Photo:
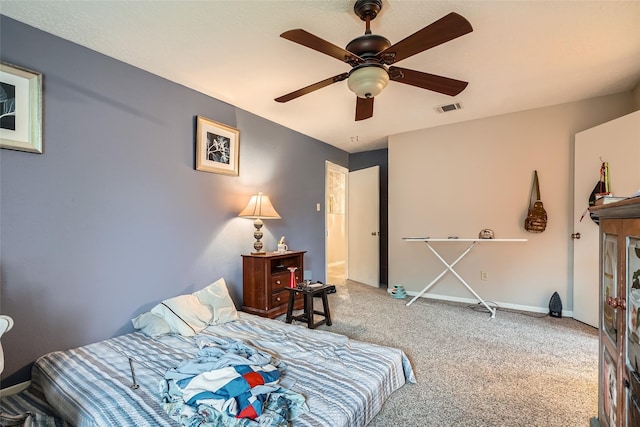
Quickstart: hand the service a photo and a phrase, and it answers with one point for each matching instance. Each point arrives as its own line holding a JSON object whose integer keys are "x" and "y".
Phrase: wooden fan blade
{"x": 364, "y": 108}
{"x": 313, "y": 87}
{"x": 443, "y": 30}
{"x": 316, "y": 43}
{"x": 428, "y": 81}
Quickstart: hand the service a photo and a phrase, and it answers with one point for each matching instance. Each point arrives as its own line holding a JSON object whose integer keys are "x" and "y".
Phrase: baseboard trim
{"x": 510, "y": 306}
{"x": 17, "y": 388}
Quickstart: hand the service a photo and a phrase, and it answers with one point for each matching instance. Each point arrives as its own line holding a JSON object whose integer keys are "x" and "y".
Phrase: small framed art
{"x": 20, "y": 109}
{"x": 217, "y": 147}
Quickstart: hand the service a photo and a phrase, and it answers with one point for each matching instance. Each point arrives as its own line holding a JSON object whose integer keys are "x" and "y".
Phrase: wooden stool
{"x": 307, "y": 315}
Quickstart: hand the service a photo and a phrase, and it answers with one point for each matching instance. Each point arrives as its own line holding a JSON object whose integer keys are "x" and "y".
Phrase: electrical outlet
{"x": 484, "y": 275}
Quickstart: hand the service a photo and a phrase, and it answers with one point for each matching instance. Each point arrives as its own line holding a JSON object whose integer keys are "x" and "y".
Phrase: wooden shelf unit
{"x": 619, "y": 335}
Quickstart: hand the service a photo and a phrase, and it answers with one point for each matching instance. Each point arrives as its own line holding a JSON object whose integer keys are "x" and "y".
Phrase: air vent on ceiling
{"x": 449, "y": 107}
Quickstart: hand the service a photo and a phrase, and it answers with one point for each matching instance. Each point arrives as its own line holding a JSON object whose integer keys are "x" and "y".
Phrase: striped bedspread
{"x": 345, "y": 382}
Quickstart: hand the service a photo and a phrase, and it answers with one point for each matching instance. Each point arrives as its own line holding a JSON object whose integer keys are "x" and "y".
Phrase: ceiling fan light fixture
{"x": 368, "y": 81}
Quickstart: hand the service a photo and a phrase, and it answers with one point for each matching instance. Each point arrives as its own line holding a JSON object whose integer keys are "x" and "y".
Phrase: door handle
{"x": 617, "y": 303}
{"x": 575, "y": 236}
{"x": 375, "y": 233}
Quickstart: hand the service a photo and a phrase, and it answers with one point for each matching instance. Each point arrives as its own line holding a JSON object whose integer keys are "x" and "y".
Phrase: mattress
{"x": 344, "y": 382}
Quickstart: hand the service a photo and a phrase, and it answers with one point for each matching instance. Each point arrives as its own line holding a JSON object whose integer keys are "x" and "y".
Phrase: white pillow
{"x": 151, "y": 324}
{"x": 217, "y": 297}
{"x": 184, "y": 314}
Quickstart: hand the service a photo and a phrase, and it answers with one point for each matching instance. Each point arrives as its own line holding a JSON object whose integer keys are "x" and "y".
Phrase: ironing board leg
{"x": 450, "y": 268}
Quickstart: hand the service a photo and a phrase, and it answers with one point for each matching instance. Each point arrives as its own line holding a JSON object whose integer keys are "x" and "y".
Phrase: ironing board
{"x": 472, "y": 243}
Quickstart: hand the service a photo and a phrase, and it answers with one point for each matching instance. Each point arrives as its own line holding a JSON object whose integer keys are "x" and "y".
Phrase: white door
{"x": 615, "y": 142}
{"x": 363, "y": 213}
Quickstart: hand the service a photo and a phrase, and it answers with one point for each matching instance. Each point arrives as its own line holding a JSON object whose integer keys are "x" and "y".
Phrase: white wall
{"x": 457, "y": 179}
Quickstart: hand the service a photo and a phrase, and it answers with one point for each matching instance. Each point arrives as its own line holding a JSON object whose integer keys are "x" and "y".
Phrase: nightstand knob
{"x": 278, "y": 299}
{"x": 277, "y": 282}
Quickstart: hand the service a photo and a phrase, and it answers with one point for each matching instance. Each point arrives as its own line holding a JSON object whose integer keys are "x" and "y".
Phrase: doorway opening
{"x": 336, "y": 184}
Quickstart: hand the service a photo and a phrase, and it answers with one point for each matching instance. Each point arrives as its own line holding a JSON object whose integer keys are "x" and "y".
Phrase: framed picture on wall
{"x": 217, "y": 147}
{"x": 20, "y": 108}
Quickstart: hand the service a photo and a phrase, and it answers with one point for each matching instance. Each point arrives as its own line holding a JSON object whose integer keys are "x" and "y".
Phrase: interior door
{"x": 363, "y": 213}
{"x": 615, "y": 142}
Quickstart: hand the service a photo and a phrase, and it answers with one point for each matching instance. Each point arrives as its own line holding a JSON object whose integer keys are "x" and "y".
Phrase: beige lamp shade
{"x": 259, "y": 207}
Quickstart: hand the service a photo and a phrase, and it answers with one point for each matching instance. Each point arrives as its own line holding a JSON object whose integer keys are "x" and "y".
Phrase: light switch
{"x": 318, "y": 207}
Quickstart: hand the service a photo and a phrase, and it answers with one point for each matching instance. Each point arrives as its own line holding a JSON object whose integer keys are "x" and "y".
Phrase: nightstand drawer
{"x": 279, "y": 298}
{"x": 279, "y": 281}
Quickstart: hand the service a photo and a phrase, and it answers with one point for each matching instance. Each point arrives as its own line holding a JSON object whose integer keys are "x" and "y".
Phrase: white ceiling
{"x": 521, "y": 55}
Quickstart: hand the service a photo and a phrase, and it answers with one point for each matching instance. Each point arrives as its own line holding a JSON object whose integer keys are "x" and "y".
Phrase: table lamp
{"x": 259, "y": 208}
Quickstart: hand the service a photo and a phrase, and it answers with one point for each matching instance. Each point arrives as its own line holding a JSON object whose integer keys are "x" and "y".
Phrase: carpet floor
{"x": 517, "y": 369}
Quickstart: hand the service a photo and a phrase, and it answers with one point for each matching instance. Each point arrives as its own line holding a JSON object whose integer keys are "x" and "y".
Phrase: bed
{"x": 343, "y": 382}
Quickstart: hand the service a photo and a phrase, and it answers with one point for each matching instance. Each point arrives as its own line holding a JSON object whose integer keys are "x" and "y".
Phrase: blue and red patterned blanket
{"x": 229, "y": 379}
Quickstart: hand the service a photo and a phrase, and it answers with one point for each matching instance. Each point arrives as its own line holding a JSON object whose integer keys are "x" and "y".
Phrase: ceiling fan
{"x": 371, "y": 56}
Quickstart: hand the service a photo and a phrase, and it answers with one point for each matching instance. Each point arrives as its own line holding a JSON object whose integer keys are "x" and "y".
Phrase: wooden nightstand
{"x": 264, "y": 279}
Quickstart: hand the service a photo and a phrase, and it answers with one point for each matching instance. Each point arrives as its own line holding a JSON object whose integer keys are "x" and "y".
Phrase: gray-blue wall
{"x": 113, "y": 218}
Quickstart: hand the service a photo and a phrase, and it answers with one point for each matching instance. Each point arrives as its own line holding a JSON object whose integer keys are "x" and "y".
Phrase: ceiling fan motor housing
{"x": 368, "y": 46}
